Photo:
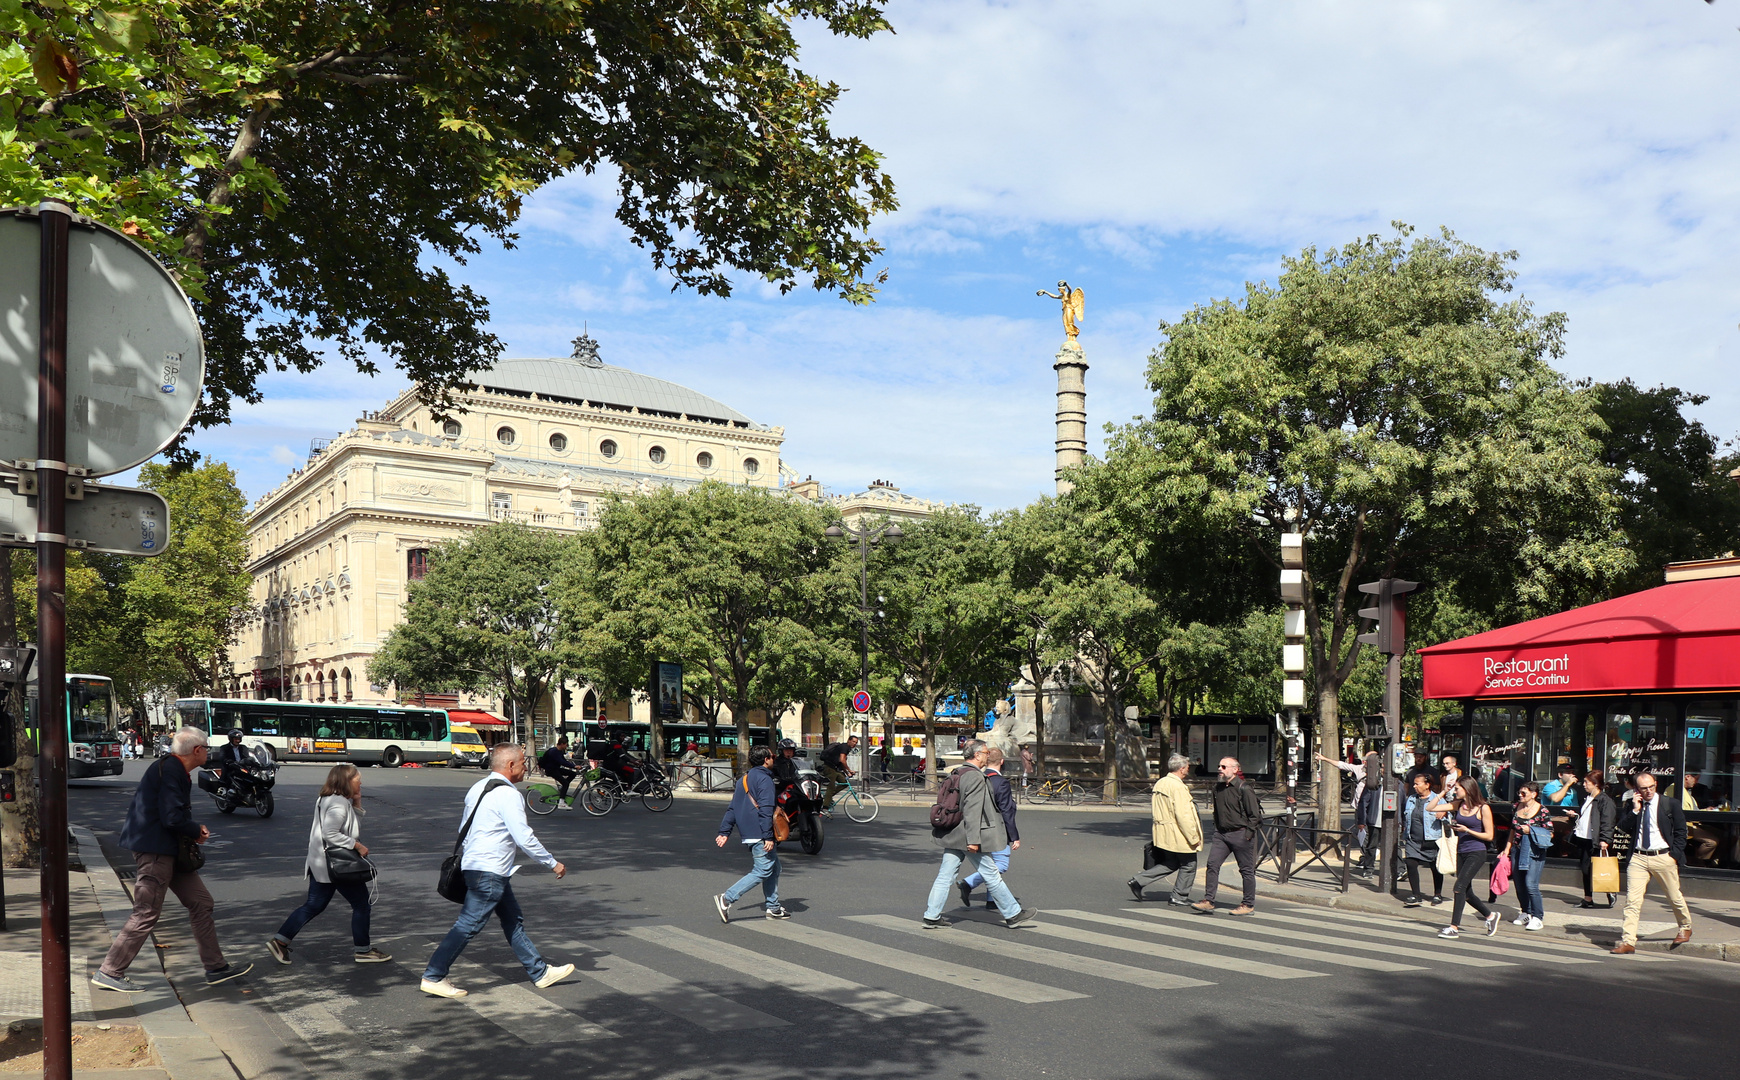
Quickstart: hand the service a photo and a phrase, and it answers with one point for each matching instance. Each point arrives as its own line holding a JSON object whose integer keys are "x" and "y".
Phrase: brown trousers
{"x": 155, "y": 879}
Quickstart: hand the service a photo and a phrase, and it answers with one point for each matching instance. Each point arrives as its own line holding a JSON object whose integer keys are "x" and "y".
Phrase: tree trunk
{"x": 1038, "y": 722}
{"x": 930, "y": 780}
{"x": 1114, "y": 719}
{"x": 1328, "y": 738}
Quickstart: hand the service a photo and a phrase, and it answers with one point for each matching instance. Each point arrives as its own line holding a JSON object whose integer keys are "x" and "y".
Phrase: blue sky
{"x": 1158, "y": 155}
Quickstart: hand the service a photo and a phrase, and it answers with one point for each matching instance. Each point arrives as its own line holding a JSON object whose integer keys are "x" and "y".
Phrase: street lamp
{"x": 866, "y": 536}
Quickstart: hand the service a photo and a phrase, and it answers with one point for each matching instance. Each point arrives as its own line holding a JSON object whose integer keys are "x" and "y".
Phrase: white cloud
{"x": 283, "y": 455}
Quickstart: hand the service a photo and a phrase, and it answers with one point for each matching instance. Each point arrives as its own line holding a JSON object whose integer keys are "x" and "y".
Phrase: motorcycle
{"x": 247, "y": 784}
{"x": 802, "y": 803}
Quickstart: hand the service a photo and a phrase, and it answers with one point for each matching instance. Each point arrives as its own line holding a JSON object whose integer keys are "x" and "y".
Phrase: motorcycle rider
{"x": 617, "y": 760}
{"x": 233, "y": 759}
{"x": 785, "y": 773}
{"x": 560, "y": 768}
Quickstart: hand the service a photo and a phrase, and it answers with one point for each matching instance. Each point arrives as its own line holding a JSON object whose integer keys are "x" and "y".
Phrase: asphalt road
{"x": 849, "y": 987}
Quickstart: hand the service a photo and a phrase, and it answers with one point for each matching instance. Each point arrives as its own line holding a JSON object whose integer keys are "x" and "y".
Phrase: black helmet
{"x": 235, "y": 733}
{"x": 788, "y": 744}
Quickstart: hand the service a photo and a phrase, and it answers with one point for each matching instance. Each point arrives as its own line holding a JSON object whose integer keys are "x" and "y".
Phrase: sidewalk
{"x": 1715, "y": 923}
{"x": 98, "y": 906}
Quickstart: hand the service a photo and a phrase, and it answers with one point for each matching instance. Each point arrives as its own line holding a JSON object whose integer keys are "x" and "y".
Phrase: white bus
{"x": 299, "y": 731}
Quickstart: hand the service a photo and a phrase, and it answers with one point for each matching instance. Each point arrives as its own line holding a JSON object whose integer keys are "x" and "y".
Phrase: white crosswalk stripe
{"x": 1267, "y": 928}
{"x": 1033, "y": 954}
{"x": 879, "y": 1004}
{"x": 516, "y": 1008}
{"x": 925, "y": 967}
{"x": 1218, "y": 961}
{"x": 1475, "y": 942}
{"x": 651, "y": 987}
{"x": 1341, "y": 959}
{"x": 1412, "y": 930}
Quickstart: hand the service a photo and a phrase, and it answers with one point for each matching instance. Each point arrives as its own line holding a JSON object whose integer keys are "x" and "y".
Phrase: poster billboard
{"x": 667, "y": 690}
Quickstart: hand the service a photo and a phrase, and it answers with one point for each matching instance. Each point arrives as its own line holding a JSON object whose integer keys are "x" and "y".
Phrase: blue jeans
{"x": 1527, "y": 876}
{"x": 765, "y": 870}
{"x": 320, "y": 895}
{"x": 1001, "y": 858}
{"x": 986, "y": 864}
{"x": 486, "y": 892}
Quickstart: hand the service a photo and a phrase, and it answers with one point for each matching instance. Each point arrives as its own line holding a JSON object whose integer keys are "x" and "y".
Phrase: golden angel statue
{"x": 1072, "y": 307}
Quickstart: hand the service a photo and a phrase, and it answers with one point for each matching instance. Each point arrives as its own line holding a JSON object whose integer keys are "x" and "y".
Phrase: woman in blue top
{"x": 1531, "y": 837}
{"x": 1421, "y": 828}
{"x": 1471, "y": 821}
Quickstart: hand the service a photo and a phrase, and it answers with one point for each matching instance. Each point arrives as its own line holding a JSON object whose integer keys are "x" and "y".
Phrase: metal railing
{"x": 1282, "y": 840}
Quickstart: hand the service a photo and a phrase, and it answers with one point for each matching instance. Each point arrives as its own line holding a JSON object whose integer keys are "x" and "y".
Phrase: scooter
{"x": 247, "y": 784}
{"x": 802, "y": 803}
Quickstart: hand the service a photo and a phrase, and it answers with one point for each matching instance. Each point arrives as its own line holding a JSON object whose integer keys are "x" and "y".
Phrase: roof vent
{"x": 586, "y": 351}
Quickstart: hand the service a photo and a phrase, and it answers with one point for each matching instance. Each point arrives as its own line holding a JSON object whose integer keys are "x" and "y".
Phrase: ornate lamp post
{"x": 866, "y": 536}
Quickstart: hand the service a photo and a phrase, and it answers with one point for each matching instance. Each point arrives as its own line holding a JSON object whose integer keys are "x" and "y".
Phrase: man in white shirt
{"x": 497, "y": 814}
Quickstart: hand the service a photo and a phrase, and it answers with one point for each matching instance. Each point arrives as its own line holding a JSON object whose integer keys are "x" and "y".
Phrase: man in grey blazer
{"x": 979, "y": 833}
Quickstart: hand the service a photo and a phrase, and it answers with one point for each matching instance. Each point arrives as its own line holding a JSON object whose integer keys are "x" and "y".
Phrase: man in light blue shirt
{"x": 496, "y": 812}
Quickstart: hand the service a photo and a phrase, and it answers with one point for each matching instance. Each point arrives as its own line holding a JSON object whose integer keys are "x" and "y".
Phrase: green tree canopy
{"x": 483, "y": 619}
{"x": 306, "y": 169}
{"x": 734, "y": 583}
{"x": 1412, "y": 420}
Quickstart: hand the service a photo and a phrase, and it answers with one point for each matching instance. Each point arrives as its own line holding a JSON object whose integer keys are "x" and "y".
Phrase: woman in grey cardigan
{"x": 337, "y": 823}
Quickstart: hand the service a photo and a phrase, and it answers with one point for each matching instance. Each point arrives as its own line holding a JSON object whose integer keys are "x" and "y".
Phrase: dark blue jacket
{"x": 753, "y": 819}
{"x": 1003, "y": 798}
{"x": 162, "y": 809}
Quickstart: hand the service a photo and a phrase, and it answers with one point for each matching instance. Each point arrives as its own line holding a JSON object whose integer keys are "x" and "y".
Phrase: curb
{"x": 1725, "y": 951}
{"x": 184, "y": 1048}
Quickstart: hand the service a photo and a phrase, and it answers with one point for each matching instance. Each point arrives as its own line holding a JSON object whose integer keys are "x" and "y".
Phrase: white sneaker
{"x": 1522, "y": 919}
{"x": 1534, "y": 924}
{"x": 554, "y": 975}
{"x": 565, "y": 805}
{"x": 444, "y": 988}
{"x": 1449, "y": 931}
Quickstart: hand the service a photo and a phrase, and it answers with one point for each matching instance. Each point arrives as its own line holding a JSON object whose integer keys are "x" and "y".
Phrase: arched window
{"x": 558, "y": 442}
{"x": 451, "y": 429}
{"x": 505, "y": 435}
{"x": 319, "y": 687}
{"x": 751, "y": 466}
{"x": 704, "y": 460}
{"x": 607, "y": 448}
{"x": 589, "y": 708}
{"x": 656, "y": 455}
{"x": 332, "y": 678}
{"x": 347, "y": 685}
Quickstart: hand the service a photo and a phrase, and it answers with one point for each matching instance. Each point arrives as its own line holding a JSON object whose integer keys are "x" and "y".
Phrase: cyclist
{"x": 835, "y": 768}
{"x": 560, "y": 768}
{"x": 618, "y": 761}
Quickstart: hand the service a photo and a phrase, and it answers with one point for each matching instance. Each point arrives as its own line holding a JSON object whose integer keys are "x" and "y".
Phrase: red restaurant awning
{"x": 1683, "y": 636}
{"x": 475, "y": 718}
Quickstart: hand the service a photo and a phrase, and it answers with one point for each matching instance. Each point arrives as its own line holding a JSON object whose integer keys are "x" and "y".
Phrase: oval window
{"x": 505, "y": 436}
{"x": 558, "y": 442}
{"x": 607, "y": 448}
{"x": 751, "y": 466}
{"x": 657, "y": 455}
{"x": 450, "y": 429}
{"x": 704, "y": 460}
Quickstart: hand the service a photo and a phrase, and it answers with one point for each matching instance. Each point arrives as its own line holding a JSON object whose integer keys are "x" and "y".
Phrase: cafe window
{"x": 1637, "y": 741}
{"x": 1555, "y": 742}
{"x": 1712, "y": 760}
{"x": 1499, "y": 736}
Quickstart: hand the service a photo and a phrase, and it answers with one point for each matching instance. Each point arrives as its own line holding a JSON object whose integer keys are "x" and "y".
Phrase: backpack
{"x": 946, "y": 814}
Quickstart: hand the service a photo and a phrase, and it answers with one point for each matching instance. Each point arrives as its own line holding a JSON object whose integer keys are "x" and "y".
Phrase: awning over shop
{"x": 475, "y": 718}
{"x": 1683, "y": 636}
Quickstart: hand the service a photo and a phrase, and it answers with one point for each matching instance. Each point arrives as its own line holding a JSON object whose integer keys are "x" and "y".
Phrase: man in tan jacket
{"x": 1177, "y": 835}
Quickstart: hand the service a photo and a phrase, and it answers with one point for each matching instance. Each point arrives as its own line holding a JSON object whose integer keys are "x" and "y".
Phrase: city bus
{"x": 299, "y": 731}
{"x": 93, "y": 738}
{"x": 637, "y": 736}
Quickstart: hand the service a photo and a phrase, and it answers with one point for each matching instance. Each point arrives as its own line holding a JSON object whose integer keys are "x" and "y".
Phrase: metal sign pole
{"x": 51, "y": 473}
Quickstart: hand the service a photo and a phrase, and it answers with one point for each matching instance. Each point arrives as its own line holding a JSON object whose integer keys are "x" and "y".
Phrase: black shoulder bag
{"x": 452, "y": 881}
{"x": 344, "y": 865}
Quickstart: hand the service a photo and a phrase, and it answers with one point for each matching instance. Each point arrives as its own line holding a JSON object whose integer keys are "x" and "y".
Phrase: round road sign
{"x": 135, "y": 360}
{"x": 861, "y": 702}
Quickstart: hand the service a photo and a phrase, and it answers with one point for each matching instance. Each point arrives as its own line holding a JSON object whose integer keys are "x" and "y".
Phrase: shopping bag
{"x": 1604, "y": 874}
{"x": 1446, "y": 854}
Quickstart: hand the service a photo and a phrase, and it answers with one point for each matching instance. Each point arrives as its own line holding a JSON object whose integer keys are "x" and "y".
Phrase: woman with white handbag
{"x": 337, "y": 863}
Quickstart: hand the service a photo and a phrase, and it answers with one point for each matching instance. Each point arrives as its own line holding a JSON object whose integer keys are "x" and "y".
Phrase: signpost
{"x": 101, "y": 366}
{"x": 101, "y": 517}
{"x": 861, "y": 706}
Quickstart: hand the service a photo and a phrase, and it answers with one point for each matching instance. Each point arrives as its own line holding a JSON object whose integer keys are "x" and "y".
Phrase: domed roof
{"x": 589, "y": 381}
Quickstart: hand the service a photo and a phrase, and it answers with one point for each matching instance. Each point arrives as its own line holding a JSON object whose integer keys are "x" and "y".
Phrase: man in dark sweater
{"x": 160, "y": 817}
{"x": 1236, "y": 813}
{"x": 751, "y": 814}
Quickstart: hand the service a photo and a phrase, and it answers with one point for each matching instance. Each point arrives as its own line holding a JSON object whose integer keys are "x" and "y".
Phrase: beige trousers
{"x": 1663, "y": 868}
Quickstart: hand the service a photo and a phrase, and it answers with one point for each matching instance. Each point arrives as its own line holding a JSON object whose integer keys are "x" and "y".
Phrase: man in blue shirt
{"x": 751, "y": 813}
{"x": 1562, "y": 794}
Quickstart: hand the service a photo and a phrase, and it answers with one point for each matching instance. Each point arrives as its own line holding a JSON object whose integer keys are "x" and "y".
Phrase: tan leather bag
{"x": 781, "y": 823}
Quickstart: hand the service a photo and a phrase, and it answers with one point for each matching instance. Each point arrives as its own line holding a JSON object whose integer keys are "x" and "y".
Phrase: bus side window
{"x": 418, "y": 728}
{"x": 359, "y": 727}
{"x": 224, "y": 718}
{"x": 293, "y": 727}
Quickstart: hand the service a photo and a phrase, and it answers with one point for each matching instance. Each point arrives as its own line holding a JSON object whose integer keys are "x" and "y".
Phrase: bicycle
{"x": 861, "y": 806}
{"x": 601, "y": 795}
{"x": 1057, "y": 789}
{"x": 544, "y": 795}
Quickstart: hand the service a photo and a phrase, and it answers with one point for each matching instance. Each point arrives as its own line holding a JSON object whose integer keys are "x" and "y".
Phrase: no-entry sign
{"x": 861, "y": 702}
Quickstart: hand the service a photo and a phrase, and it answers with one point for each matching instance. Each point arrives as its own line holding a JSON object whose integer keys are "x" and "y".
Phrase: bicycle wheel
{"x": 861, "y": 806}
{"x": 599, "y": 799}
{"x": 657, "y": 797}
{"x": 541, "y": 798}
{"x": 1071, "y": 793}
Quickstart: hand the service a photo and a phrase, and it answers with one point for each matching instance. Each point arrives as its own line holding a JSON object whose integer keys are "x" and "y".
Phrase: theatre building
{"x": 1646, "y": 681}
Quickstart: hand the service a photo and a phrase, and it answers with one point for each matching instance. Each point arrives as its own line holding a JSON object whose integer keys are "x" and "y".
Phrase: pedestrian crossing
{"x": 757, "y": 975}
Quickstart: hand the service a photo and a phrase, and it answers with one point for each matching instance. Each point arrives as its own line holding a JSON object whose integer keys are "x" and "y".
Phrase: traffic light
{"x": 567, "y": 699}
{"x": 1390, "y": 635}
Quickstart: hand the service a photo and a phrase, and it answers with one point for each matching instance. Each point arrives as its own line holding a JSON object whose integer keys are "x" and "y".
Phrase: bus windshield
{"x": 91, "y": 709}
